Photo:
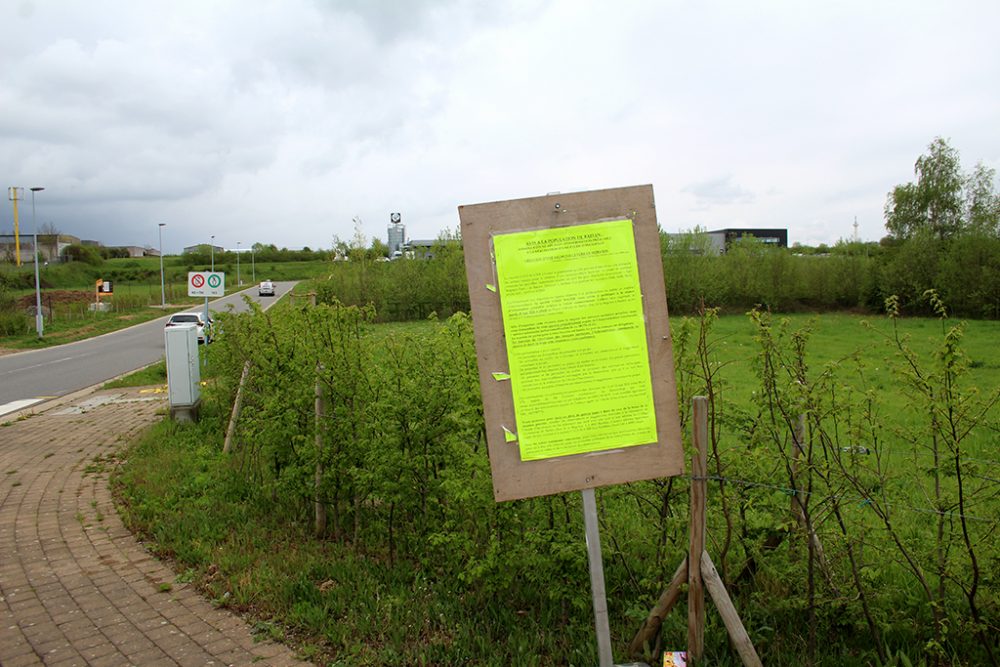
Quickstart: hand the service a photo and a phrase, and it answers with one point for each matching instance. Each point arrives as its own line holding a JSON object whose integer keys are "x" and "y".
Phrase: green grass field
{"x": 249, "y": 546}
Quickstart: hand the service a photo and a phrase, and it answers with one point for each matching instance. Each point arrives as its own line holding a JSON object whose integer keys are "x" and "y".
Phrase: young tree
{"x": 934, "y": 203}
{"x": 982, "y": 204}
{"x": 377, "y": 249}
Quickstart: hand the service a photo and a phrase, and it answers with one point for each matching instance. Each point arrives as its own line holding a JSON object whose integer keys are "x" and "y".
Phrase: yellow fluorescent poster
{"x": 576, "y": 339}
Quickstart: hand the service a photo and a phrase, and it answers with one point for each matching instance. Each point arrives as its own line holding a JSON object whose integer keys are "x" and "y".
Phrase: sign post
{"x": 102, "y": 288}
{"x": 206, "y": 284}
{"x": 573, "y": 343}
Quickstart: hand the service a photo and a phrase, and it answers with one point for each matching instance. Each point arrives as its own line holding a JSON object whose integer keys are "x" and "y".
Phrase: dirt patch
{"x": 55, "y": 297}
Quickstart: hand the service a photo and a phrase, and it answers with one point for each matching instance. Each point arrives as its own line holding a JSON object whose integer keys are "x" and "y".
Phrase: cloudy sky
{"x": 281, "y": 121}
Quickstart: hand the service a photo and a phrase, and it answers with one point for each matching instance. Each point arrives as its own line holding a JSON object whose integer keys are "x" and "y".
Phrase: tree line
{"x": 942, "y": 235}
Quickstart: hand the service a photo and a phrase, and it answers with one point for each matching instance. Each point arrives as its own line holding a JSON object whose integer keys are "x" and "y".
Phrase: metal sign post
{"x": 597, "y": 578}
{"x": 206, "y": 284}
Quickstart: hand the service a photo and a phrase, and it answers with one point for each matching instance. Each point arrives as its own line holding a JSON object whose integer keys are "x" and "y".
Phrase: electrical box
{"x": 183, "y": 375}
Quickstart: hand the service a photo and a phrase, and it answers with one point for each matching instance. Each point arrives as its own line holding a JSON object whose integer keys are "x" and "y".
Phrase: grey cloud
{"x": 719, "y": 191}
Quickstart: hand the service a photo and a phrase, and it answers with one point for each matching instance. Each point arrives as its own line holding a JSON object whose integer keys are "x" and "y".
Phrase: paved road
{"x": 31, "y": 378}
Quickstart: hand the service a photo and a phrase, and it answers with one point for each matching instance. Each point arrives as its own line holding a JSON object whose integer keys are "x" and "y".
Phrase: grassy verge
{"x": 153, "y": 374}
{"x": 334, "y": 602}
{"x": 71, "y": 330}
{"x": 245, "y": 538}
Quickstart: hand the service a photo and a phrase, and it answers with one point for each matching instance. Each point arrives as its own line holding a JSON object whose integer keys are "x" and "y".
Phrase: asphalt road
{"x": 33, "y": 377}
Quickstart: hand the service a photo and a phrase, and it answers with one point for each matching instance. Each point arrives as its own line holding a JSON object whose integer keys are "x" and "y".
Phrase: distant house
{"x": 137, "y": 251}
{"x": 50, "y": 246}
{"x": 723, "y": 238}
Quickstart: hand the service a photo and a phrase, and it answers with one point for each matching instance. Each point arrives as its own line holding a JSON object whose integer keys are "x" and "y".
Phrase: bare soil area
{"x": 57, "y": 297}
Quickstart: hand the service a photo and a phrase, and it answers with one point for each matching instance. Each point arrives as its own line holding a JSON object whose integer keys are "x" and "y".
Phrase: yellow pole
{"x": 17, "y": 237}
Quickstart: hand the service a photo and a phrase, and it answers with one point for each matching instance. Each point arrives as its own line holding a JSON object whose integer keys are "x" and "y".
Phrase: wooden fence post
{"x": 798, "y": 500}
{"x": 237, "y": 408}
{"x": 798, "y": 438}
{"x": 696, "y": 545}
{"x": 697, "y": 568}
{"x": 320, "y": 506}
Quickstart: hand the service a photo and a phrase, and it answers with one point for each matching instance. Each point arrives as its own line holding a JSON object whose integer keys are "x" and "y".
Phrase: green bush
{"x": 399, "y": 462}
{"x": 401, "y": 290}
{"x": 85, "y": 254}
{"x": 14, "y": 323}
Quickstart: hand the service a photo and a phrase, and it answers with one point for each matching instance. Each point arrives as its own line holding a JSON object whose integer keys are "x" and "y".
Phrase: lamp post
{"x": 238, "y": 281}
{"x": 39, "y": 321}
{"x": 253, "y": 265}
{"x": 163, "y": 290}
{"x": 212, "y": 248}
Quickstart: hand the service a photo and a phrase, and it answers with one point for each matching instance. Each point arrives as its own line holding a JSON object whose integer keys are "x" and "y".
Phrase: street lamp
{"x": 238, "y": 281}
{"x": 253, "y": 265}
{"x": 212, "y": 248}
{"x": 39, "y": 322}
{"x": 163, "y": 291}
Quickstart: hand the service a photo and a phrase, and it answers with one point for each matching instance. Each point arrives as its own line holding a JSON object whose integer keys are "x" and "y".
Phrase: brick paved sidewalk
{"x": 75, "y": 587}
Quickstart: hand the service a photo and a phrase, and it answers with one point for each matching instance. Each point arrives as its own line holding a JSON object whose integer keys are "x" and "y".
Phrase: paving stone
{"x": 76, "y": 588}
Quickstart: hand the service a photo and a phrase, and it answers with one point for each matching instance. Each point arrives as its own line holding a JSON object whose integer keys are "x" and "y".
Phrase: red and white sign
{"x": 206, "y": 283}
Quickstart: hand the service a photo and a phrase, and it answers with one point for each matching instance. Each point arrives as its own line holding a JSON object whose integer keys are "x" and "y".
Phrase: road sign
{"x": 206, "y": 283}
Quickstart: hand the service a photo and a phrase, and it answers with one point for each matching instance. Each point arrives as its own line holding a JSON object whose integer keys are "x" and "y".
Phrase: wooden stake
{"x": 696, "y": 592}
{"x": 320, "y": 506}
{"x": 237, "y": 408}
{"x": 730, "y": 617}
{"x": 651, "y": 626}
{"x": 798, "y": 437}
{"x": 798, "y": 501}
{"x": 698, "y": 568}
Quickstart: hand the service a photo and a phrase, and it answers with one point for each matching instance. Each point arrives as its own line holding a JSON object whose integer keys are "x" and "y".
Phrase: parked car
{"x": 266, "y": 289}
{"x": 204, "y": 328}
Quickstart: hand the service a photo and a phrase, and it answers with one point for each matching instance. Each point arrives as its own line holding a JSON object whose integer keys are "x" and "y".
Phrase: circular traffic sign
{"x": 198, "y": 280}
{"x": 214, "y": 280}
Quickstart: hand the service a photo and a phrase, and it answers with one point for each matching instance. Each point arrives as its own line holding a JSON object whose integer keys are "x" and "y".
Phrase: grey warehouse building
{"x": 723, "y": 238}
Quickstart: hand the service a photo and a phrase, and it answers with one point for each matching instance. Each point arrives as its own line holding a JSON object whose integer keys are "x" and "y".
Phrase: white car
{"x": 198, "y": 319}
{"x": 266, "y": 289}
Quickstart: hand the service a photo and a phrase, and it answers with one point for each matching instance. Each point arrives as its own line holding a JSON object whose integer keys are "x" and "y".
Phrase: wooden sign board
{"x": 573, "y": 341}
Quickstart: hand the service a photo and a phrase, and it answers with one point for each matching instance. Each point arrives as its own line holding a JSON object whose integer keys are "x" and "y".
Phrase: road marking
{"x": 48, "y": 363}
{"x": 13, "y": 406}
